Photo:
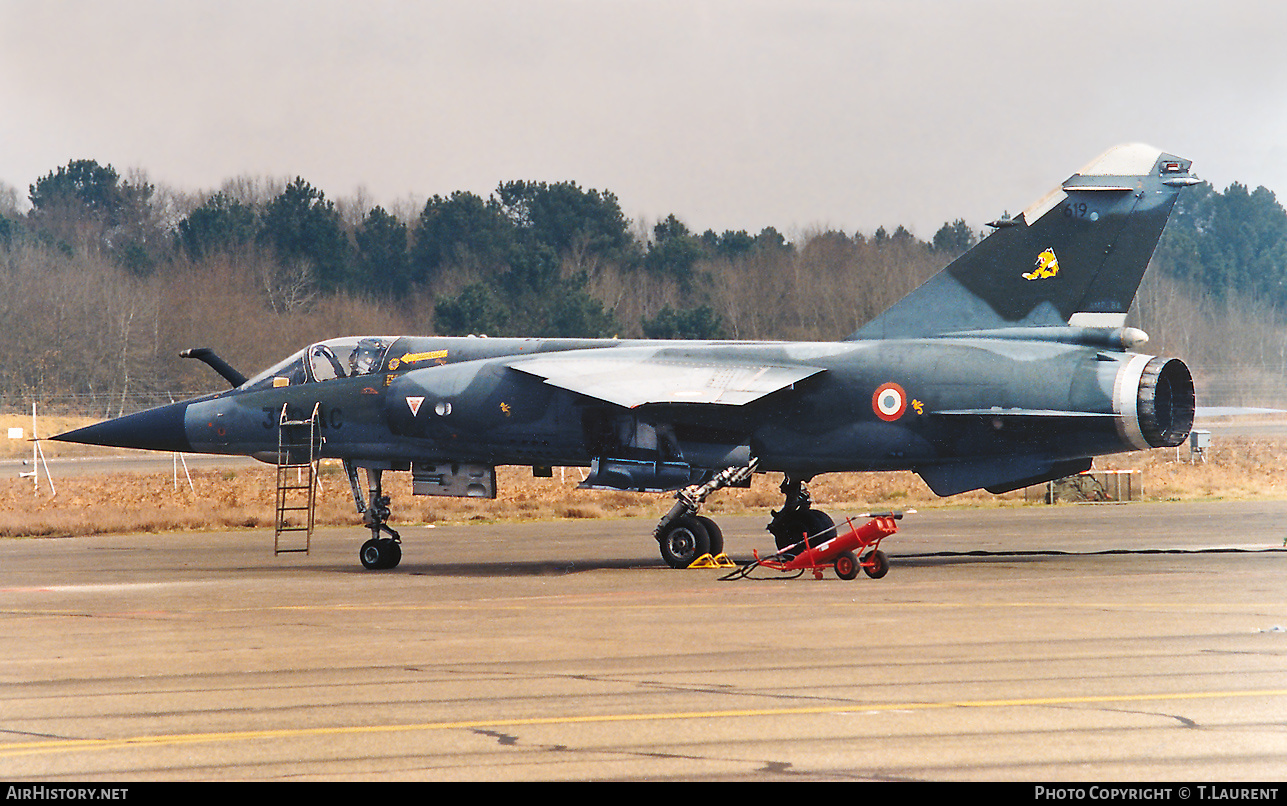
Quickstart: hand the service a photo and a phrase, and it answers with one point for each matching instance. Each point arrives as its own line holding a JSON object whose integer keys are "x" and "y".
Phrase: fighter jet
{"x": 1012, "y": 366}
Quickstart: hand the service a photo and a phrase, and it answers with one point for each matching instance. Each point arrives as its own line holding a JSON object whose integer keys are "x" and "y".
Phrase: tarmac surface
{"x": 1130, "y": 642}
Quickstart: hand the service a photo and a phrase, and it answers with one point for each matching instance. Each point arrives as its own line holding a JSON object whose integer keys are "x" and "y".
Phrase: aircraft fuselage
{"x": 950, "y": 400}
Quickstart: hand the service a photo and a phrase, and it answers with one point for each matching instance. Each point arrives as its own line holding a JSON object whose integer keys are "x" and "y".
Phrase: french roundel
{"x": 889, "y": 402}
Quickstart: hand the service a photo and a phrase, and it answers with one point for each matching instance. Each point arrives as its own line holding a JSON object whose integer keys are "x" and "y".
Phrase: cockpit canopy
{"x": 325, "y": 361}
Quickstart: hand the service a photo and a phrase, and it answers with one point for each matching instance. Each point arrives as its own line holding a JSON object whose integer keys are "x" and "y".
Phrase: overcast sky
{"x": 733, "y": 114}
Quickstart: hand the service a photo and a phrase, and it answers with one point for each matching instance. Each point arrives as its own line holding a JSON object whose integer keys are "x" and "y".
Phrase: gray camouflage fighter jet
{"x": 1010, "y": 367}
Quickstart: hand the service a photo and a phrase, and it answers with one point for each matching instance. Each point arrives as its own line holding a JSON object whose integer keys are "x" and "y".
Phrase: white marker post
{"x": 38, "y": 458}
{"x": 178, "y": 458}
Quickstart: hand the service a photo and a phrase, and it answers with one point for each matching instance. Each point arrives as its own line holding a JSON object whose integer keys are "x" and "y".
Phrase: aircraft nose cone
{"x": 159, "y": 429}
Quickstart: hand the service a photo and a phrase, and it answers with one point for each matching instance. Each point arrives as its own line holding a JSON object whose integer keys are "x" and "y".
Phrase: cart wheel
{"x": 875, "y": 564}
{"x": 847, "y": 565}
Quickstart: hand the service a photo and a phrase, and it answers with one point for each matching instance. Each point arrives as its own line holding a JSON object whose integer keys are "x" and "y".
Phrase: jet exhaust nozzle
{"x": 1155, "y": 399}
{"x": 1166, "y": 402}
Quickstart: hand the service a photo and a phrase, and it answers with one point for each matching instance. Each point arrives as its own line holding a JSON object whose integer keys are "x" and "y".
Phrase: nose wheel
{"x": 380, "y": 553}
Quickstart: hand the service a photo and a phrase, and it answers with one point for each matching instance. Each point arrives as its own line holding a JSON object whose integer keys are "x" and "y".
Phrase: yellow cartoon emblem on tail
{"x": 1047, "y": 266}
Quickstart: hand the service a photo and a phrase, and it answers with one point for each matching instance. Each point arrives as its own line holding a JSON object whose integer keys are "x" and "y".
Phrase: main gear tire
{"x": 810, "y": 522}
{"x": 715, "y": 534}
{"x": 684, "y": 541}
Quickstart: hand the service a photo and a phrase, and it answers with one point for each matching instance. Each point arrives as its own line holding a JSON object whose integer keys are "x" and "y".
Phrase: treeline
{"x": 107, "y": 277}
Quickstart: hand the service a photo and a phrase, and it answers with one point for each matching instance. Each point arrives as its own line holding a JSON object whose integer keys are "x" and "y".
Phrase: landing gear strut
{"x": 682, "y": 534}
{"x": 379, "y": 552}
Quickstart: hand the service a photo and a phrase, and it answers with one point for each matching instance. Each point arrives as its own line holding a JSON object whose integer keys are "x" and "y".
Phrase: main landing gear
{"x": 683, "y": 535}
{"x": 797, "y": 519}
{"x": 378, "y": 553}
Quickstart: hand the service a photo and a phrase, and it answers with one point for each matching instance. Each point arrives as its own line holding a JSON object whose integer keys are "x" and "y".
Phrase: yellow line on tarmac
{"x": 71, "y": 745}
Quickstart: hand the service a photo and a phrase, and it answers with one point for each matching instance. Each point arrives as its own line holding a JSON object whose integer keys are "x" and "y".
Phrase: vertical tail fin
{"x": 1075, "y": 257}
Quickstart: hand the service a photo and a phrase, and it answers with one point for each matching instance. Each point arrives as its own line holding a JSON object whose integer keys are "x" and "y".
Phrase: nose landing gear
{"x": 378, "y": 553}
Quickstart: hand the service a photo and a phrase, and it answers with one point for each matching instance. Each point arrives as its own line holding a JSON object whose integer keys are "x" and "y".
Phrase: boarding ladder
{"x": 298, "y": 445}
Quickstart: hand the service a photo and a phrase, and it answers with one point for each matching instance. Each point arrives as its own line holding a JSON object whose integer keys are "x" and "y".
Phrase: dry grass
{"x": 1238, "y": 468}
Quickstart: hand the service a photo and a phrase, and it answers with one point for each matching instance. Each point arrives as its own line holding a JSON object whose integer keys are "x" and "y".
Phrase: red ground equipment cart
{"x": 841, "y": 551}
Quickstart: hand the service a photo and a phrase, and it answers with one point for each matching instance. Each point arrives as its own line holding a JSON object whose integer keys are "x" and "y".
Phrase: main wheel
{"x": 875, "y": 564}
{"x": 787, "y": 533}
{"x": 715, "y": 534}
{"x": 684, "y": 541}
{"x": 847, "y": 565}
{"x": 819, "y": 525}
{"x": 810, "y": 522}
{"x": 378, "y": 554}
